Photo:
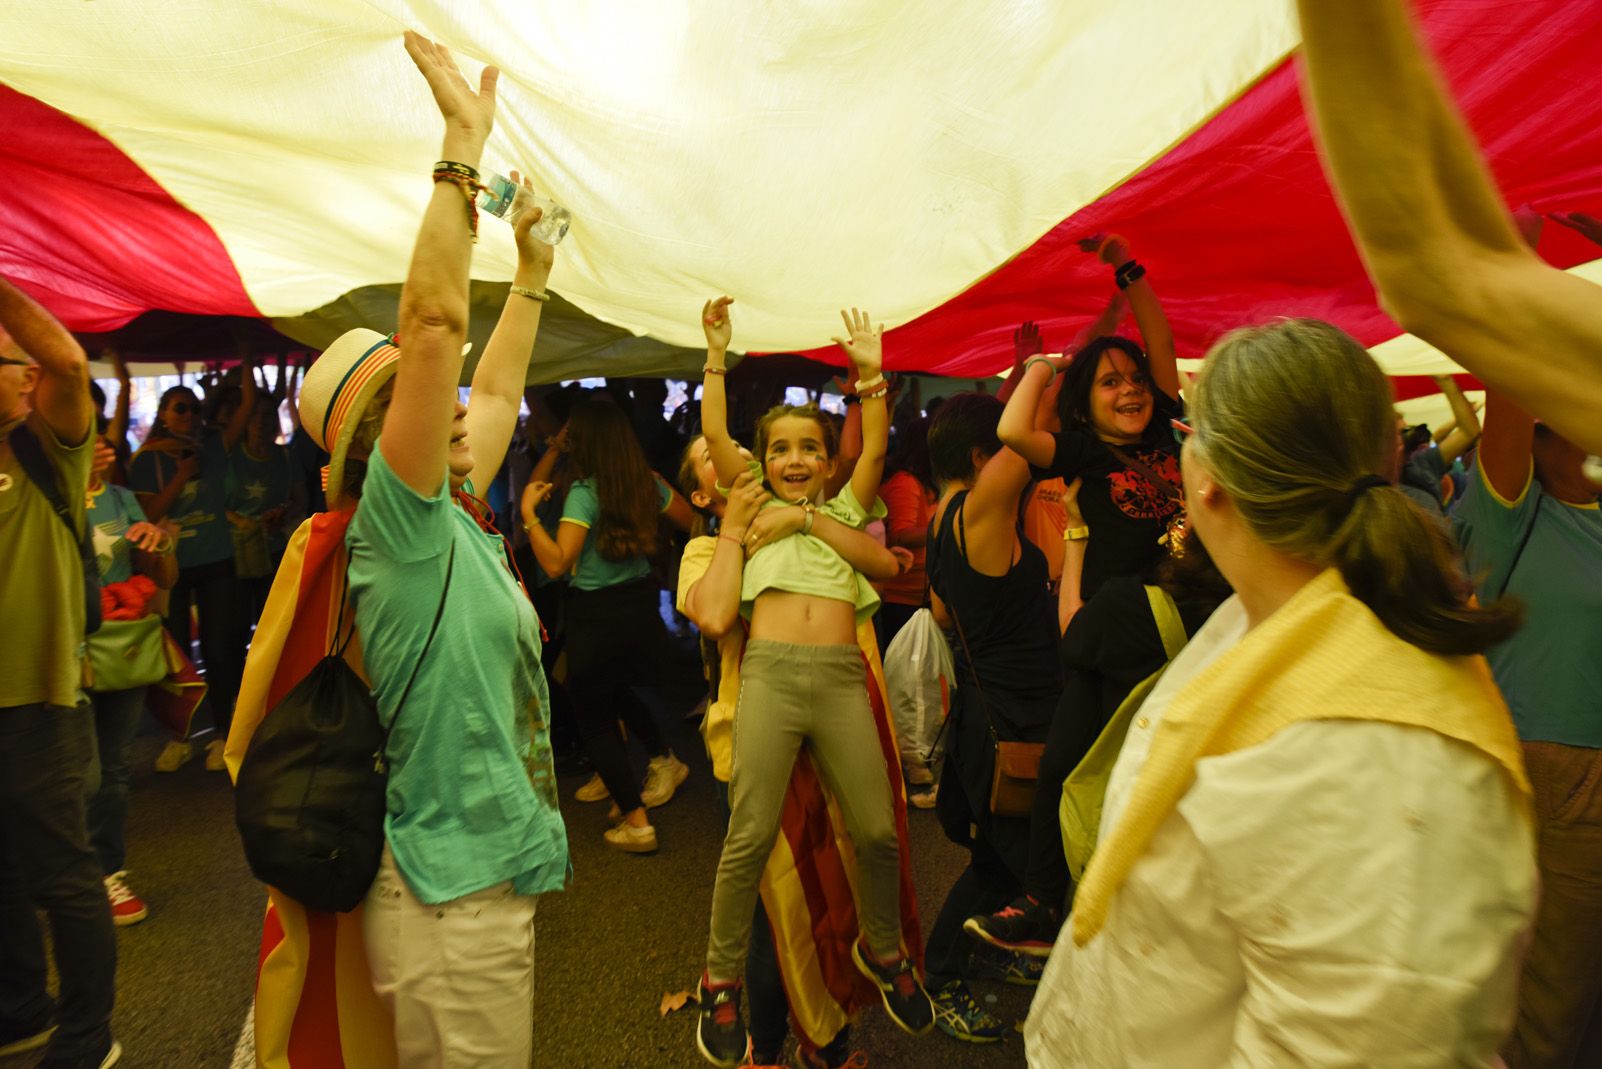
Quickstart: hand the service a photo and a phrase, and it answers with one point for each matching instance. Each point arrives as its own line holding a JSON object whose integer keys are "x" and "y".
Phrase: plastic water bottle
{"x": 499, "y": 194}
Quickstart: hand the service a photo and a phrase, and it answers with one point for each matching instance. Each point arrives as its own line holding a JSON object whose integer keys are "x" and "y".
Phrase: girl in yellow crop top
{"x": 802, "y": 680}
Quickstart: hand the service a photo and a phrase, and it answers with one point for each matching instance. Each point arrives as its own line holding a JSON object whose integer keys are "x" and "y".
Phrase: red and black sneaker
{"x": 1025, "y": 926}
{"x": 719, "y": 1032}
{"x": 905, "y": 1000}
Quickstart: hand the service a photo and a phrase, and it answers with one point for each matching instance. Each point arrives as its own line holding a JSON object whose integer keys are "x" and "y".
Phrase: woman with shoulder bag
{"x": 137, "y": 566}
{"x": 988, "y": 584}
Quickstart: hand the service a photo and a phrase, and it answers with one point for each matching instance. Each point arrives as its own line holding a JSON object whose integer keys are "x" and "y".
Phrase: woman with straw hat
{"x": 472, "y": 831}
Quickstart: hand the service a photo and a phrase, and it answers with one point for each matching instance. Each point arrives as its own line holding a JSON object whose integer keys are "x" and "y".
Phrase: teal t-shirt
{"x": 112, "y": 510}
{"x": 472, "y": 792}
{"x": 1550, "y": 671}
{"x": 201, "y": 511}
{"x": 257, "y": 484}
{"x": 593, "y": 571}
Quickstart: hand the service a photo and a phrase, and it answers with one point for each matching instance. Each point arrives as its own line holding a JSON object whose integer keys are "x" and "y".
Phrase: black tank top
{"x": 1009, "y": 620}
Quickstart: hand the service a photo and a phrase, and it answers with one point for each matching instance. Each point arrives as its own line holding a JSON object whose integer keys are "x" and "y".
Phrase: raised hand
{"x": 1027, "y": 341}
{"x": 1111, "y": 249}
{"x": 464, "y": 110}
{"x": 531, "y": 251}
{"x": 534, "y": 494}
{"x": 864, "y": 343}
{"x": 717, "y": 324}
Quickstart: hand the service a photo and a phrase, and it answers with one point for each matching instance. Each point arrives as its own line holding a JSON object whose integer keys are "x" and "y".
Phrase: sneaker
{"x": 112, "y": 1056}
{"x": 924, "y": 799}
{"x": 662, "y": 778}
{"x": 126, "y": 907}
{"x": 905, "y": 1000}
{"x": 719, "y": 1031}
{"x": 25, "y": 1037}
{"x": 632, "y": 840}
{"x": 214, "y": 756}
{"x": 961, "y": 1017}
{"x": 173, "y": 756}
{"x": 593, "y": 791}
{"x": 1025, "y": 926}
{"x": 1008, "y": 966}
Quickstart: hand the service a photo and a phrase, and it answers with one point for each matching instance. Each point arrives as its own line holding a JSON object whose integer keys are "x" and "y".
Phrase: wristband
{"x": 537, "y": 295}
{"x": 1128, "y": 274}
{"x": 852, "y": 399}
{"x": 1048, "y": 361}
{"x": 465, "y": 179}
{"x": 878, "y": 389}
{"x": 1076, "y": 534}
{"x": 806, "y": 524}
{"x": 870, "y": 383}
{"x": 710, "y": 370}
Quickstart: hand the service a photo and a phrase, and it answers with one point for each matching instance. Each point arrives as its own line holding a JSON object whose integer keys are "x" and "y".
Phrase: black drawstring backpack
{"x": 310, "y": 798}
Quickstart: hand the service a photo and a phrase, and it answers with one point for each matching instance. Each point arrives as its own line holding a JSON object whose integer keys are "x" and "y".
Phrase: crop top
{"x": 806, "y": 564}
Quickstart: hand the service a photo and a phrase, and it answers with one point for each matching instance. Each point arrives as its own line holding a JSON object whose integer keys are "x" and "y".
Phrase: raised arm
{"x": 1431, "y": 226}
{"x": 61, "y": 395}
{"x": 235, "y": 429}
{"x": 433, "y": 304}
{"x": 117, "y": 429}
{"x": 719, "y": 329}
{"x": 1150, "y": 320}
{"x": 1069, "y": 599}
{"x": 1019, "y": 430}
{"x": 1027, "y": 341}
{"x": 1507, "y": 446}
{"x": 497, "y": 396}
{"x": 864, "y": 346}
{"x": 1467, "y": 428}
{"x": 556, "y": 556}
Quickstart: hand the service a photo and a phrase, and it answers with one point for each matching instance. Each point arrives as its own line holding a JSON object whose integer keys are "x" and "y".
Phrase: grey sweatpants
{"x": 790, "y": 694}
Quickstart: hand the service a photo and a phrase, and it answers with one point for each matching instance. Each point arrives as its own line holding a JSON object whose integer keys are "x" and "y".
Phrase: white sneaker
{"x": 632, "y": 840}
{"x": 126, "y": 907}
{"x": 173, "y": 756}
{"x": 113, "y": 1056}
{"x": 214, "y": 756}
{"x": 924, "y": 799}
{"x": 593, "y": 791}
{"x": 662, "y": 778}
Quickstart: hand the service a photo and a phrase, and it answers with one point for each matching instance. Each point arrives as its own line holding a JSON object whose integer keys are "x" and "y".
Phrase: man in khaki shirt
{"x": 47, "y": 738}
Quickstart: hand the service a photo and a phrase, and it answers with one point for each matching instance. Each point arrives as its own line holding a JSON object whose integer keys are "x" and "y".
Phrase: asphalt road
{"x": 628, "y": 931}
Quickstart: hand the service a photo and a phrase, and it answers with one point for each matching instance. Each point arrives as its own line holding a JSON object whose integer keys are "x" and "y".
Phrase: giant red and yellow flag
{"x": 933, "y": 163}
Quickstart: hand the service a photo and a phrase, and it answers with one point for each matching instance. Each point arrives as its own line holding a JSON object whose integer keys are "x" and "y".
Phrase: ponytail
{"x": 1402, "y": 564}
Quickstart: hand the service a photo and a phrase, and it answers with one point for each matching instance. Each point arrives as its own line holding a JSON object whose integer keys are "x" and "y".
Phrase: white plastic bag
{"x": 919, "y": 675}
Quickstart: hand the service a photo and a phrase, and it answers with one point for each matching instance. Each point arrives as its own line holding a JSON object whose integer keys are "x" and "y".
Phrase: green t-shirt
{"x": 1550, "y": 671}
{"x": 112, "y": 510}
{"x": 201, "y": 510}
{"x": 41, "y": 578}
{"x": 593, "y": 571}
{"x": 472, "y": 792}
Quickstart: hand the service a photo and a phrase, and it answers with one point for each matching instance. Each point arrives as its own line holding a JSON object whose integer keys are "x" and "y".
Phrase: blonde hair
{"x": 1291, "y": 417}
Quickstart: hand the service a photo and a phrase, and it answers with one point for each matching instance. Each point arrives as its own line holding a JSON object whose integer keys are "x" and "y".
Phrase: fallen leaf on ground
{"x": 674, "y": 1001}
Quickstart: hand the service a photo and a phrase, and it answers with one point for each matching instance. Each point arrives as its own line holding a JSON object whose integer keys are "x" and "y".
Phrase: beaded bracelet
{"x": 879, "y": 389}
{"x": 536, "y": 295}
{"x": 464, "y": 178}
{"x": 710, "y": 370}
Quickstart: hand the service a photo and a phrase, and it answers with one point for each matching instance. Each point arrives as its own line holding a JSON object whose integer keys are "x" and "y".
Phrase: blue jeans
{"x": 46, "y": 761}
{"x": 116, "y": 721}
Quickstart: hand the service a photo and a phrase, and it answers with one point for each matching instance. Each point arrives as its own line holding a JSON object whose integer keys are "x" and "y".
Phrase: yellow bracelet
{"x": 537, "y": 295}
{"x": 1076, "y": 534}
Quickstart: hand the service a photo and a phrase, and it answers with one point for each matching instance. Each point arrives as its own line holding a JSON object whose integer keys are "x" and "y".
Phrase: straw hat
{"x": 335, "y": 393}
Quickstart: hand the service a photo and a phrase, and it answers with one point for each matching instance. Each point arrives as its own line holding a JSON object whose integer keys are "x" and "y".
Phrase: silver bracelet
{"x": 537, "y": 295}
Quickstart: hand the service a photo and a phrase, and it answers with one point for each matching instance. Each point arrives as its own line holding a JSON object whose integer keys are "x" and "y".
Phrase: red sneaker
{"x": 126, "y": 907}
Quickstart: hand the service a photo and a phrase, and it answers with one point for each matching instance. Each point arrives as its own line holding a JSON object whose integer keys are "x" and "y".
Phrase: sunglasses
{"x": 183, "y": 408}
{"x": 1181, "y": 430}
{"x": 14, "y": 362}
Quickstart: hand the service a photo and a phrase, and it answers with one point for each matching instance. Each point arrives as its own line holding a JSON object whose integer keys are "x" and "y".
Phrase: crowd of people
{"x": 1274, "y": 732}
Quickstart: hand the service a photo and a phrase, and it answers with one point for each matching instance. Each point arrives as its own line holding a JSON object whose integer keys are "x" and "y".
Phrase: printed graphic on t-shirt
{"x": 1137, "y": 497}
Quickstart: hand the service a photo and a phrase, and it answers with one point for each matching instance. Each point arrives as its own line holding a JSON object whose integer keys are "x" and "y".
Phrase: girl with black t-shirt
{"x": 1116, "y": 406}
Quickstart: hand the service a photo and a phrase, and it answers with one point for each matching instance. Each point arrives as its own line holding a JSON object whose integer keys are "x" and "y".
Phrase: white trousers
{"x": 459, "y": 977}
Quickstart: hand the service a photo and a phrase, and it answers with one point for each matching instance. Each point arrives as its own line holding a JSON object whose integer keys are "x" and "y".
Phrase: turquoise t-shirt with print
{"x": 1547, "y": 553}
{"x": 112, "y": 510}
{"x": 593, "y": 571}
{"x": 201, "y": 511}
{"x": 472, "y": 792}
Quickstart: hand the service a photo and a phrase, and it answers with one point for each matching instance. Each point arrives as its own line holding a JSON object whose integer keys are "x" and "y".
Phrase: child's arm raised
{"x": 719, "y": 329}
{"x": 864, "y": 346}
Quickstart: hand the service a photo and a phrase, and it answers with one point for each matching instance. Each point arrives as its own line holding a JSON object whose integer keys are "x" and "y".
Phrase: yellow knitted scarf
{"x": 1323, "y": 655}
